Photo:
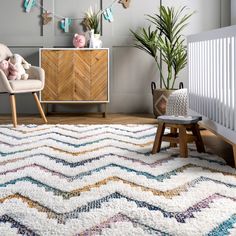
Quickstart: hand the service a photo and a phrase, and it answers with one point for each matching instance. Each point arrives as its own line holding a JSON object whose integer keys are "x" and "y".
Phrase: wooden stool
{"x": 174, "y": 137}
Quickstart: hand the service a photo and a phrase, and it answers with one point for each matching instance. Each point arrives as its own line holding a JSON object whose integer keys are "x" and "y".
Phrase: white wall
{"x": 131, "y": 70}
{"x": 225, "y": 13}
{"x": 233, "y": 12}
{"x": 134, "y": 70}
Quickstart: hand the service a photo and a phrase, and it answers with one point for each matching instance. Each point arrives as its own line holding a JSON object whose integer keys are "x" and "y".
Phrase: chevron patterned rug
{"x": 102, "y": 180}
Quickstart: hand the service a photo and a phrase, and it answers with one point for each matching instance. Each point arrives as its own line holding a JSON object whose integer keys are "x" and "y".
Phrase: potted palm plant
{"x": 91, "y": 22}
{"x": 164, "y": 41}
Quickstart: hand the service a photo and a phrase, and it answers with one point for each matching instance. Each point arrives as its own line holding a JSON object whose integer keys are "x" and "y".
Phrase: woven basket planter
{"x": 160, "y": 98}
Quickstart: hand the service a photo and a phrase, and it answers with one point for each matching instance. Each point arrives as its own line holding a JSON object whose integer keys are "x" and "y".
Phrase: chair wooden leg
{"x": 183, "y": 142}
{"x": 199, "y": 142}
{"x": 13, "y": 109}
{"x": 173, "y": 131}
{"x": 157, "y": 143}
{"x": 40, "y": 108}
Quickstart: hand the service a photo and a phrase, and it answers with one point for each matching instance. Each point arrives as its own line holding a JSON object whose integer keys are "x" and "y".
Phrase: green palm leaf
{"x": 166, "y": 39}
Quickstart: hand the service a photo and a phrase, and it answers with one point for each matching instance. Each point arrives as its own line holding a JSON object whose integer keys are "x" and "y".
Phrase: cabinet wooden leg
{"x": 105, "y": 111}
{"x": 157, "y": 143}
{"x": 183, "y": 142}
{"x": 13, "y": 109}
{"x": 40, "y": 108}
{"x": 45, "y": 108}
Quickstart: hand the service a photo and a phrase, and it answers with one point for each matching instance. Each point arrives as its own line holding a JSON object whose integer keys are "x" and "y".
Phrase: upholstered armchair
{"x": 34, "y": 84}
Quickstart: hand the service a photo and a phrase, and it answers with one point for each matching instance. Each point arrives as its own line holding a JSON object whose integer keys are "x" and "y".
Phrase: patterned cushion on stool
{"x": 177, "y": 103}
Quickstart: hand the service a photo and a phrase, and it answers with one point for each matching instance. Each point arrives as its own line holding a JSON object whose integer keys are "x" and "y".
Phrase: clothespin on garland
{"x": 29, "y": 4}
{"x": 126, "y": 3}
{"x": 65, "y": 24}
{"x": 46, "y": 18}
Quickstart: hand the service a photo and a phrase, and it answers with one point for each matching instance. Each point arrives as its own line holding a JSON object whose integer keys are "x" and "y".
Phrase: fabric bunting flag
{"x": 108, "y": 15}
{"x": 65, "y": 24}
{"x": 28, "y": 5}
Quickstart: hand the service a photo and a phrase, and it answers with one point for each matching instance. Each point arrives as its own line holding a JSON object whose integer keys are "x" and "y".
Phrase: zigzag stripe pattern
{"x": 121, "y": 218}
{"x": 102, "y": 180}
{"x": 21, "y": 229}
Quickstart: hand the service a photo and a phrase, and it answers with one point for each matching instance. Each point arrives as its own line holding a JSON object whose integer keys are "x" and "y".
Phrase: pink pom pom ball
{"x": 79, "y": 41}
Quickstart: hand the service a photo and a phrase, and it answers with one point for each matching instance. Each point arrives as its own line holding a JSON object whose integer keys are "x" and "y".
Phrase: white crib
{"x": 212, "y": 80}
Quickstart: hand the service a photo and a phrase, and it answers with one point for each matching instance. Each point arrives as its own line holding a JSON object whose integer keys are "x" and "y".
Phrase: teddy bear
{"x": 21, "y": 65}
{"x": 9, "y": 70}
{"x": 79, "y": 41}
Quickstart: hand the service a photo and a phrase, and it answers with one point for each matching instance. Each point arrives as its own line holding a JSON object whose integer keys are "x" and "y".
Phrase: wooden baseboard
{"x": 233, "y": 145}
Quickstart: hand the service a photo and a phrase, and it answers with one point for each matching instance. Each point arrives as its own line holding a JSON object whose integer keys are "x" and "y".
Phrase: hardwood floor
{"x": 94, "y": 118}
{"x": 214, "y": 143}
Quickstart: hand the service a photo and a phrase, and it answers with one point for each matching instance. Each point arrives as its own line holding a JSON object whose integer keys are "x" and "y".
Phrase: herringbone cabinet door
{"x": 99, "y": 75}
{"x": 75, "y": 75}
{"x": 82, "y": 75}
{"x": 49, "y": 62}
{"x": 66, "y": 86}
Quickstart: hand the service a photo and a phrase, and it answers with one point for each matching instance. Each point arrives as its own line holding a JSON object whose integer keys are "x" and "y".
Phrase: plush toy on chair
{"x": 9, "y": 69}
{"x": 21, "y": 65}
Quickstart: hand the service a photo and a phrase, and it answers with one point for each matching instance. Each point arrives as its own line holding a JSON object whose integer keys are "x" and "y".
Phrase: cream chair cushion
{"x": 26, "y": 85}
{"x": 5, "y": 52}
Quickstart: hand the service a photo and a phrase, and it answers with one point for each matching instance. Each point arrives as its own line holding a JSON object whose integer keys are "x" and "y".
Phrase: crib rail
{"x": 212, "y": 79}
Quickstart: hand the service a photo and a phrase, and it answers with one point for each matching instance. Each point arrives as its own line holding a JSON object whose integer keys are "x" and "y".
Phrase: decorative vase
{"x": 95, "y": 41}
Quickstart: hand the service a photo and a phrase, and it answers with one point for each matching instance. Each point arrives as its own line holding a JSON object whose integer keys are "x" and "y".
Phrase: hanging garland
{"x": 66, "y": 22}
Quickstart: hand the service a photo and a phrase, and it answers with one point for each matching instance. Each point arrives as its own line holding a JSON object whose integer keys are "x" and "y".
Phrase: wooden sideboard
{"x": 75, "y": 75}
